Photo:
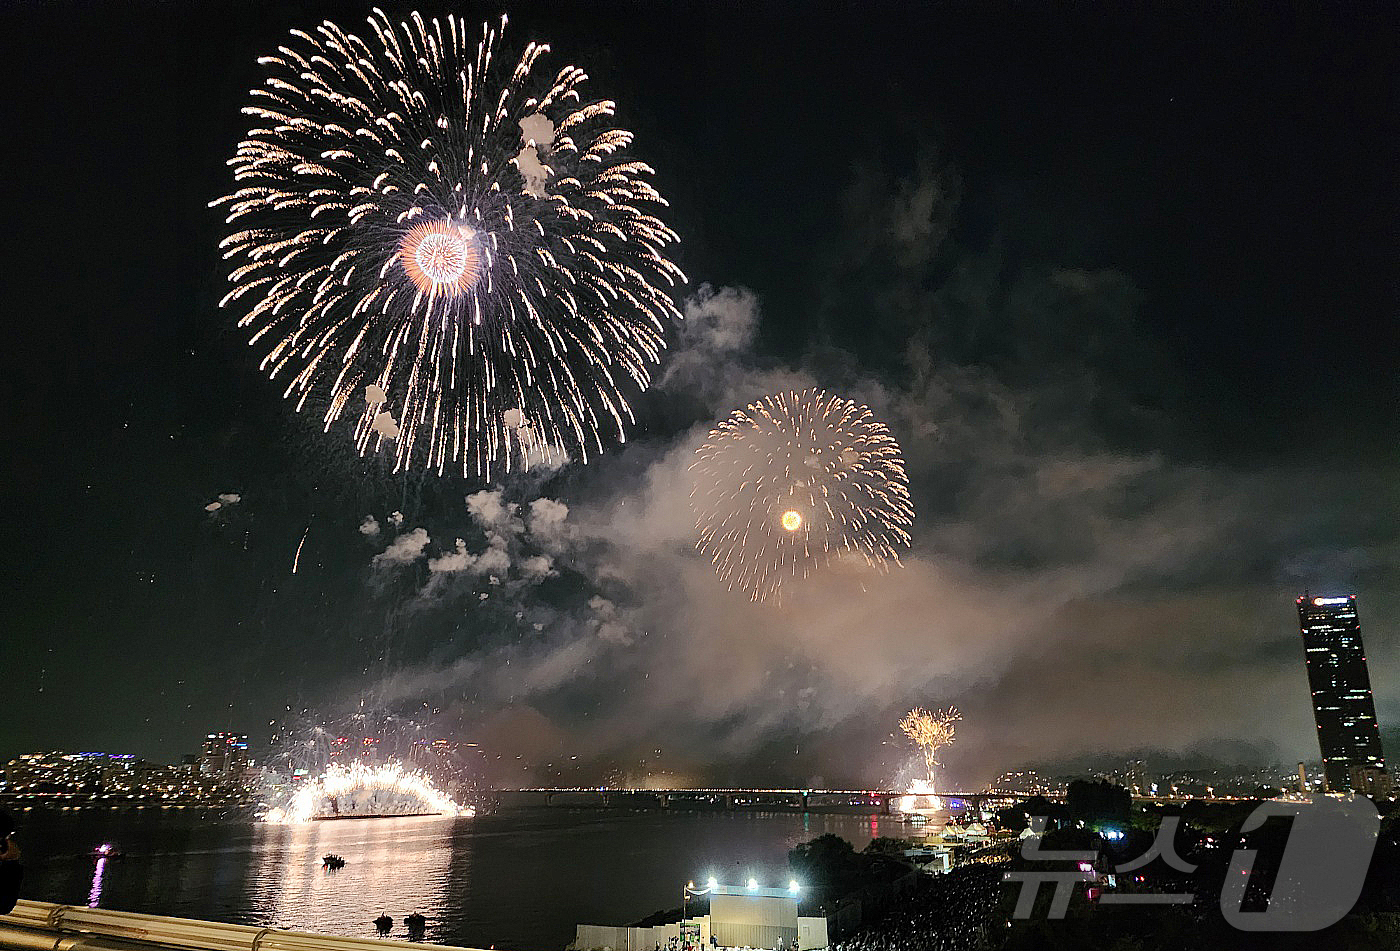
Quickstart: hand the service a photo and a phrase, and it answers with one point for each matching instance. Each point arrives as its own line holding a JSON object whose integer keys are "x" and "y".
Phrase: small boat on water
{"x": 332, "y": 861}
{"x": 106, "y": 851}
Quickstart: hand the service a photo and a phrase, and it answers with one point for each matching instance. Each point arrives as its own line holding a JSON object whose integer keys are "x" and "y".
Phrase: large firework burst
{"x": 794, "y": 481}
{"x": 447, "y": 246}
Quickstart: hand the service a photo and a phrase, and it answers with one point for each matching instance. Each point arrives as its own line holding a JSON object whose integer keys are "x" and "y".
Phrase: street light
{"x": 685, "y": 907}
{"x": 753, "y": 884}
{"x": 793, "y": 886}
{"x": 685, "y": 912}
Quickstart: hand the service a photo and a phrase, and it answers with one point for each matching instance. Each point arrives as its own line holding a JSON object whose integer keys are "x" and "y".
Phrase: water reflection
{"x": 517, "y": 880}
{"x": 393, "y": 866}
{"x": 95, "y": 892}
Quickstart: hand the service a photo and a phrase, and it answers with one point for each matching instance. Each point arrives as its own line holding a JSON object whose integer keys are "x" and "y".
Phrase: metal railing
{"x": 41, "y": 926}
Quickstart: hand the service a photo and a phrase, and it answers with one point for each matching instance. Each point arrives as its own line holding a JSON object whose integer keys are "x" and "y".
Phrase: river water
{"x": 516, "y": 880}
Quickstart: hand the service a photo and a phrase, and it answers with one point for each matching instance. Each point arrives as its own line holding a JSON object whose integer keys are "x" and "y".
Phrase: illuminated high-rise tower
{"x": 1347, "y": 730}
{"x": 225, "y": 756}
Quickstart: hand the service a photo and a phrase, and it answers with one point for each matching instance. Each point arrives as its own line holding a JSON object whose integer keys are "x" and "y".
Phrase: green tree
{"x": 1098, "y": 800}
{"x": 1018, "y": 817}
{"x": 825, "y": 863}
{"x": 888, "y": 845}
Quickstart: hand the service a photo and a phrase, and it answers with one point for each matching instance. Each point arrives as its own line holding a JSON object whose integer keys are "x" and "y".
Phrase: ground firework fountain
{"x": 360, "y": 791}
{"x": 930, "y": 732}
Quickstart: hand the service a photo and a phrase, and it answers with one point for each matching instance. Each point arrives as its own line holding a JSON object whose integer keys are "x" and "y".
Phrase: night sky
{"x": 1123, "y": 284}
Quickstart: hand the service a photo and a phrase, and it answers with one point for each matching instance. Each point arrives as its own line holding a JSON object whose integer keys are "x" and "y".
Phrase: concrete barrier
{"x": 41, "y": 926}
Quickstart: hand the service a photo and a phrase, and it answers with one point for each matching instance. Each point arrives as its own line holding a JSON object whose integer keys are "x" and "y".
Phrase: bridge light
{"x": 753, "y": 884}
{"x": 793, "y": 886}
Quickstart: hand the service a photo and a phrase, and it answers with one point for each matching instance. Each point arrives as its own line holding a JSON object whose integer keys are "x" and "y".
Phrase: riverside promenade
{"x": 41, "y": 926}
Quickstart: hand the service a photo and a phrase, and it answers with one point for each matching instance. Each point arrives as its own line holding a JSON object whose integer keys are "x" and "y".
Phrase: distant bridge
{"x": 854, "y": 801}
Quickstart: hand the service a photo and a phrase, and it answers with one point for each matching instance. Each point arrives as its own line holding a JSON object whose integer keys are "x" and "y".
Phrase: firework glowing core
{"x": 391, "y": 779}
{"x": 792, "y": 520}
{"x": 920, "y": 798}
{"x": 441, "y": 258}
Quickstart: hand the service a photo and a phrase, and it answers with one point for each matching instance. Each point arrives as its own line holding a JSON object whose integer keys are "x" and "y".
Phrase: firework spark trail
{"x": 430, "y": 238}
{"x": 794, "y": 481}
{"x": 297, "y": 559}
{"x": 930, "y": 732}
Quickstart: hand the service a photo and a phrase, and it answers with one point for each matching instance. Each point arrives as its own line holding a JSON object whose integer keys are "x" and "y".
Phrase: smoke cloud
{"x": 404, "y": 549}
{"x": 1075, "y": 584}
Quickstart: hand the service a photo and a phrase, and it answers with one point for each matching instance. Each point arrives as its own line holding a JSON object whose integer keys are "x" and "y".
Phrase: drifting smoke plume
{"x": 1056, "y": 573}
{"x": 224, "y": 499}
{"x": 404, "y": 549}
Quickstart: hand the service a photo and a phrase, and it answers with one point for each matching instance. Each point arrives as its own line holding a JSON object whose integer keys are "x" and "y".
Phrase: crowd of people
{"x": 11, "y": 872}
{"x": 952, "y": 912}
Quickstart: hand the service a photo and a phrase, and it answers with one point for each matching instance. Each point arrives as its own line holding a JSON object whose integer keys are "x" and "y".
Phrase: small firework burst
{"x": 794, "y": 481}
{"x": 930, "y": 732}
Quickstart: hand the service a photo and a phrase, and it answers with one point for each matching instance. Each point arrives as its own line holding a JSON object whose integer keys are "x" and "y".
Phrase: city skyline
{"x": 96, "y": 777}
{"x": 1125, "y": 313}
{"x": 1333, "y": 655}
